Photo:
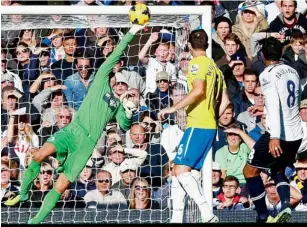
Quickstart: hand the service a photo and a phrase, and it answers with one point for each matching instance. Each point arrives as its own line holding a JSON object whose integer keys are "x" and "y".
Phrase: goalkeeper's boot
{"x": 283, "y": 216}
{"x": 13, "y": 201}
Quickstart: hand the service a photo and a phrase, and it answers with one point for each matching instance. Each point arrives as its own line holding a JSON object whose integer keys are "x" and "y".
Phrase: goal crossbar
{"x": 96, "y": 10}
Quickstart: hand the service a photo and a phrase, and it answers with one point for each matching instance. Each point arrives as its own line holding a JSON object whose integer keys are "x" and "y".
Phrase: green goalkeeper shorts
{"x": 74, "y": 147}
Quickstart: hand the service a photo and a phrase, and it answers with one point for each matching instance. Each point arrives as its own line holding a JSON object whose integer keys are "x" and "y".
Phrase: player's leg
{"x": 257, "y": 191}
{"x": 32, "y": 172}
{"x": 259, "y": 157}
{"x": 282, "y": 183}
{"x": 178, "y": 196}
{"x": 191, "y": 151}
{"x": 51, "y": 199}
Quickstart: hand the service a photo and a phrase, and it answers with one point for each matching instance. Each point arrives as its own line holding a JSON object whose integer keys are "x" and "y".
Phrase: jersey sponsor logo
{"x": 264, "y": 82}
{"x": 194, "y": 69}
{"x": 210, "y": 69}
{"x": 110, "y": 99}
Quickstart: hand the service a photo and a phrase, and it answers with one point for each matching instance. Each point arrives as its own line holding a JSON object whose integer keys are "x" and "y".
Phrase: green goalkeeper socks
{"x": 48, "y": 204}
{"x": 30, "y": 175}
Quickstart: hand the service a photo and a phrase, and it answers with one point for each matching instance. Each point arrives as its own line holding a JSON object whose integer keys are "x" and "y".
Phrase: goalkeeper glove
{"x": 129, "y": 107}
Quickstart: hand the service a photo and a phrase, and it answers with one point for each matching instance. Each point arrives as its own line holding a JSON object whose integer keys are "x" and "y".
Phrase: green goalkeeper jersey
{"x": 100, "y": 105}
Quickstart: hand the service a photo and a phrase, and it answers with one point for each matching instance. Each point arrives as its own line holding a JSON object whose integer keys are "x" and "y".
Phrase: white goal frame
{"x": 205, "y": 20}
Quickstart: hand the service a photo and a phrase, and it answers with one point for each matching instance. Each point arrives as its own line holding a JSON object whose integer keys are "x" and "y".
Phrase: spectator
{"x": 117, "y": 154}
{"x": 140, "y": 196}
{"x": 77, "y": 85}
{"x": 106, "y": 46}
{"x": 83, "y": 184}
{"x": 56, "y": 40}
{"x": 217, "y": 180}
{"x": 44, "y": 81}
{"x": 8, "y": 188}
{"x": 299, "y": 181}
{"x": 251, "y": 117}
{"x": 44, "y": 58}
{"x": 42, "y": 185}
{"x": 245, "y": 98}
{"x": 48, "y": 100}
{"x": 152, "y": 167}
{"x": 183, "y": 60}
{"x": 292, "y": 51}
{"x": 301, "y": 64}
{"x": 272, "y": 198}
{"x": 160, "y": 99}
{"x": 121, "y": 85}
{"x": 229, "y": 199}
{"x": 289, "y": 22}
{"x": 133, "y": 78}
{"x": 63, "y": 118}
{"x": 274, "y": 9}
{"x": 250, "y": 20}
{"x": 65, "y": 67}
{"x": 104, "y": 195}
{"x": 128, "y": 172}
{"x": 26, "y": 67}
{"x": 225, "y": 120}
{"x": 152, "y": 126}
{"x": 28, "y": 36}
{"x": 89, "y": 2}
{"x": 8, "y": 74}
{"x": 232, "y": 158}
{"x": 157, "y": 64}
{"x": 222, "y": 26}
{"x": 21, "y": 136}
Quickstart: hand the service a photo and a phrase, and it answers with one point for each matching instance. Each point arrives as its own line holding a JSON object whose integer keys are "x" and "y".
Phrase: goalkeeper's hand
{"x": 136, "y": 28}
{"x": 129, "y": 107}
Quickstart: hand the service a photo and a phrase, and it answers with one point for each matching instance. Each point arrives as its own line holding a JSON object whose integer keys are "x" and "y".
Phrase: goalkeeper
{"x": 75, "y": 143}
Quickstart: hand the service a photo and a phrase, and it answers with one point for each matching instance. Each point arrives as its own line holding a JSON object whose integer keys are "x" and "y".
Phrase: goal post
{"x": 37, "y": 17}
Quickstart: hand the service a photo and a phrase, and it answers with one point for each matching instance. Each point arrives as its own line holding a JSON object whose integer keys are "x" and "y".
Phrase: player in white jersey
{"x": 277, "y": 147}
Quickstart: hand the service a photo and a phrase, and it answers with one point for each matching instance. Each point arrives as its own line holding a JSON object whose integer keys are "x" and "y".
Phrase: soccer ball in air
{"x": 139, "y": 14}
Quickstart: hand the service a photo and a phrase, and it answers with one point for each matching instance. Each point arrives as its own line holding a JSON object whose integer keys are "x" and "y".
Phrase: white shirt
{"x": 152, "y": 68}
{"x": 113, "y": 197}
{"x": 280, "y": 86}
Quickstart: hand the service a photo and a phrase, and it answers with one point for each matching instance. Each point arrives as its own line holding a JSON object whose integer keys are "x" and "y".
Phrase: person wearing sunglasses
{"x": 63, "y": 118}
{"x": 103, "y": 195}
{"x": 140, "y": 197}
{"x": 78, "y": 84}
{"x": 42, "y": 185}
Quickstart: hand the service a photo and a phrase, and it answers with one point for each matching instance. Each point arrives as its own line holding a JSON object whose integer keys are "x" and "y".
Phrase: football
{"x": 139, "y": 14}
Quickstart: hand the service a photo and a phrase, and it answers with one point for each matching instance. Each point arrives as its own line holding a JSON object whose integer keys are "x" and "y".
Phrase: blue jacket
{"x": 76, "y": 91}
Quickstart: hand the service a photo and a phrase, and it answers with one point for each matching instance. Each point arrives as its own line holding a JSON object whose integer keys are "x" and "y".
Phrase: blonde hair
{"x": 132, "y": 197}
{"x": 28, "y": 130}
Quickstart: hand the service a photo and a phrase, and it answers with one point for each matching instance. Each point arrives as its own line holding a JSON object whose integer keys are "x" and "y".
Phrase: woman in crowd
{"x": 140, "y": 196}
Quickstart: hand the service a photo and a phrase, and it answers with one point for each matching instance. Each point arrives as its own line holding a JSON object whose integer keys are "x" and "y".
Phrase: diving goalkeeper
{"x": 75, "y": 143}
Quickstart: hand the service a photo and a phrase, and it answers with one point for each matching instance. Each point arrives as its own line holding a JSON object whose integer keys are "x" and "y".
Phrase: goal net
{"x": 32, "y": 34}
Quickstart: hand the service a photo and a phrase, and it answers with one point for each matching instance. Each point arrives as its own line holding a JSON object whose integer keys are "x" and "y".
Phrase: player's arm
{"x": 122, "y": 119}
{"x": 224, "y": 102}
{"x": 110, "y": 62}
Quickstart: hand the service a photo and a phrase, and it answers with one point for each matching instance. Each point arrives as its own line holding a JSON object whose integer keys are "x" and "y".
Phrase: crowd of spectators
{"x": 46, "y": 74}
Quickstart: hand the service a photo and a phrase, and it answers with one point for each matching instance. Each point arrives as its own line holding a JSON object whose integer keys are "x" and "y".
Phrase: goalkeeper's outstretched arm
{"x": 110, "y": 62}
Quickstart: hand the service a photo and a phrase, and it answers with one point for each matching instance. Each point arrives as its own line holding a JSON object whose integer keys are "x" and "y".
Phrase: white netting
{"x": 71, "y": 209}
